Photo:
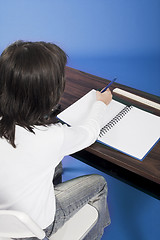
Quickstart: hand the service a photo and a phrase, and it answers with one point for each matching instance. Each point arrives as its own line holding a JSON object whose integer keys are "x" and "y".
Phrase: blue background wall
{"x": 107, "y": 38}
{"x": 103, "y": 37}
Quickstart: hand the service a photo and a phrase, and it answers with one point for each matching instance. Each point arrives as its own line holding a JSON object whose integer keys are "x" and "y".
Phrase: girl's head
{"x": 31, "y": 84}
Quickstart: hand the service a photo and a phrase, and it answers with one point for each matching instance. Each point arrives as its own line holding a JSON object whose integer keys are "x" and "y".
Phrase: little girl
{"x": 32, "y": 82}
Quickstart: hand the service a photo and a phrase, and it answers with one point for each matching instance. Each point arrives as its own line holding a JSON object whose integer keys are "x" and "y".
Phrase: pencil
{"x": 108, "y": 85}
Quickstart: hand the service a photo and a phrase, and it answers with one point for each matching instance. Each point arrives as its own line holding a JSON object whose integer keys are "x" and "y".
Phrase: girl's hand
{"x": 105, "y": 97}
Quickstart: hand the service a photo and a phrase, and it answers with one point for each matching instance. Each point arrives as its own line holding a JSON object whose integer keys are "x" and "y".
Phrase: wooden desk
{"x": 144, "y": 175}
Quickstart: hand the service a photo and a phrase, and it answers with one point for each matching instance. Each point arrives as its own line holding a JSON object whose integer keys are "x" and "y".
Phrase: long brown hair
{"x": 31, "y": 84}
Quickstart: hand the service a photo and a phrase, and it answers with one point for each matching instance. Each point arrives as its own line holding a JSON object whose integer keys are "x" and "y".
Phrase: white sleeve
{"x": 79, "y": 137}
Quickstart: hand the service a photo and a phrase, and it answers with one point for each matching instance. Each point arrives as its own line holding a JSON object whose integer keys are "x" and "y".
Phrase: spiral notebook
{"x": 126, "y": 128}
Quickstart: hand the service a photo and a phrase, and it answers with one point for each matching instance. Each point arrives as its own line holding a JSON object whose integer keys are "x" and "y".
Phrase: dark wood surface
{"x": 79, "y": 83}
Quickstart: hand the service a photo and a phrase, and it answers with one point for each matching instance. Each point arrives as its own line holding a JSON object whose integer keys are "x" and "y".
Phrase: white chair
{"x": 15, "y": 224}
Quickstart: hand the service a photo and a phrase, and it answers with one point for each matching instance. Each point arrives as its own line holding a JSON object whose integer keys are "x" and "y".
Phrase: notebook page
{"x": 134, "y": 134}
{"x": 76, "y": 113}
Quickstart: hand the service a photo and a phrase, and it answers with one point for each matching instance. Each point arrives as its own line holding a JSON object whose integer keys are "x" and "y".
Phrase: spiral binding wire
{"x": 115, "y": 120}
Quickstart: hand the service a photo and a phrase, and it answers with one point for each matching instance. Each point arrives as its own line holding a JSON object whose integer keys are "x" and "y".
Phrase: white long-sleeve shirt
{"x": 26, "y": 172}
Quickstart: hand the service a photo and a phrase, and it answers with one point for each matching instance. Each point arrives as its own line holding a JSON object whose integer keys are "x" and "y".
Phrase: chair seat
{"x": 79, "y": 225}
{"x": 15, "y": 224}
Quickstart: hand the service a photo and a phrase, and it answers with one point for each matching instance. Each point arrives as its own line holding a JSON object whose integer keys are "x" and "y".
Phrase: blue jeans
{"x": 73, "y": 195}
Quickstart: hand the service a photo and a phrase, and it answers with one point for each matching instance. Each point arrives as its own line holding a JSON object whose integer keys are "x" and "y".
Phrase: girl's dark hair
{"x": 31, "y": 84}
